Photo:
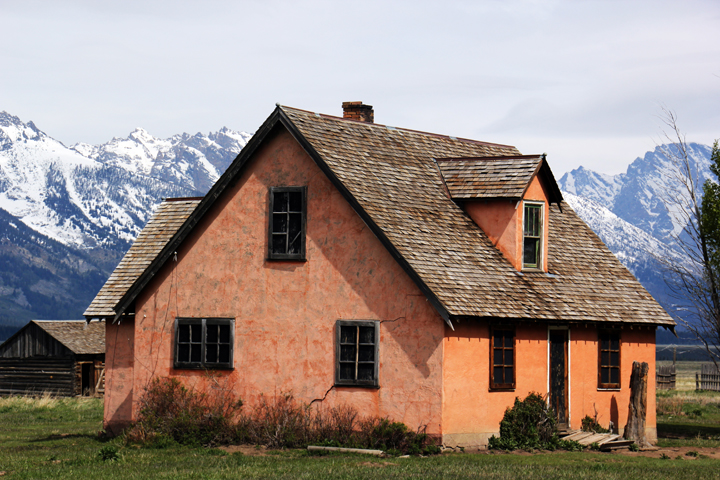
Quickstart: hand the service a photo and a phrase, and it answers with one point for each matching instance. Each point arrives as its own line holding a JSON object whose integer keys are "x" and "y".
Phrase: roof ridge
{"x": 399, "y": 129}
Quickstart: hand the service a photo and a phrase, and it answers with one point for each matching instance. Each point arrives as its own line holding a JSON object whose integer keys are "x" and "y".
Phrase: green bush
{"x": 530, "y": 424}
{"x": 109, "y": 453}
{"x": 590, "y": 424}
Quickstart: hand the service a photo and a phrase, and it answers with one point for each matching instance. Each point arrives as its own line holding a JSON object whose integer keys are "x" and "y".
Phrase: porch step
{"x": 615, "y": 445}
{"x": 588, "y": 438}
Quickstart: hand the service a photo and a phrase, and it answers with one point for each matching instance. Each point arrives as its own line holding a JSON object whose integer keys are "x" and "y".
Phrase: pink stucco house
{"x": 423, "y": 277}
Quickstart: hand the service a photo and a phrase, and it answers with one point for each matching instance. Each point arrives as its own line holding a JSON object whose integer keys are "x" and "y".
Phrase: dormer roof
{"x": 506, "y": 177}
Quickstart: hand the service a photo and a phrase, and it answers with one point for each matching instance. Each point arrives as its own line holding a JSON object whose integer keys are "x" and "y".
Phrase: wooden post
{"x": 697, "y": 381}
{"x": 637, "y": 410}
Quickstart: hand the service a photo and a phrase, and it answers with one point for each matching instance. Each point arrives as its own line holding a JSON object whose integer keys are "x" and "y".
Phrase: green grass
{"x": 688, "y": 418}
{"x": 50, "y": 438}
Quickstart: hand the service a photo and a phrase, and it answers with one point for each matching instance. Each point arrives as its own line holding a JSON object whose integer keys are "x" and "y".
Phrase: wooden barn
{"x": 62, "y": 357}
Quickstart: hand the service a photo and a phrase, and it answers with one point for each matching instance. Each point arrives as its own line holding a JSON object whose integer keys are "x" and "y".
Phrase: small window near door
{"x": 609, "y": 359}
{"x": 502, "y": 358}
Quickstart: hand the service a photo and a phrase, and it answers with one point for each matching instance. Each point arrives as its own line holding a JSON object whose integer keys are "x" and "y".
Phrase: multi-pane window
{"x": 204, "y": 343}
{"x": 357, "y": 353}
{"x": 532, "y": 235}
{"x": 287, "y": 223}
{"x": 502, "y": 358}
{"x": 609, "y": 361}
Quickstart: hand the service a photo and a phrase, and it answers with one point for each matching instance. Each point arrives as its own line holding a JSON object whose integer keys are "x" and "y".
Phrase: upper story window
{"x": 286, "y": 238}
{"x": 532, "y": 235}
{"x": 356, "y": 356}
{"x": 204, "y": 343}
{"x": 609, "y": 359}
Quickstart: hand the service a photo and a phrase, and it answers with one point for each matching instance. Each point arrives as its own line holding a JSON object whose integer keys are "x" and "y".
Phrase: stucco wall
{"x": 501, "y": 220}
{"x": 285, "y": 311}
{"x": 472, "y": 412}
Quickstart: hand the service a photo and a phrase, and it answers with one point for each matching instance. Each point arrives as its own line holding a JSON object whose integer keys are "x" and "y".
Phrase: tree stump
{"x": 637, "y": 410}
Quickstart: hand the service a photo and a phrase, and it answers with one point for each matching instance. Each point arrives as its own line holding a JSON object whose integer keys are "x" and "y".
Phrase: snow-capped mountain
{"x": 639, "y": 195}
{"x": 88, "y": 203}
{"x": 102, "y": 195}
{"x": 628, "y": 211}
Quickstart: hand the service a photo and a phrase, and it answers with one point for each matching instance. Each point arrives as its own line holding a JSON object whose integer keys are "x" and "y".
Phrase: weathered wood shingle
{"x": 166, "y": 221}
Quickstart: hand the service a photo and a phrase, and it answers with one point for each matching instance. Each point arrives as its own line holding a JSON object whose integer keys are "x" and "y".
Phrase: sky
{"x": 584, "y": 81}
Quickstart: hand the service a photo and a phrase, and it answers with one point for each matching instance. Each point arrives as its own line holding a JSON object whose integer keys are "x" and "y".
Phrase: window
{"x": 204, "y": 342}
{"x": 502, "y": 360}
{"x": 532, "y": 235}
{"x": 357, "y": 353}
{"x": 286, "y": 238}
{"x": 609, "y": 361}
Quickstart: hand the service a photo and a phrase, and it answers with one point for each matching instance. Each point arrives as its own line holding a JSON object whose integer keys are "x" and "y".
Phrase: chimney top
{"x": 358, "y": 111}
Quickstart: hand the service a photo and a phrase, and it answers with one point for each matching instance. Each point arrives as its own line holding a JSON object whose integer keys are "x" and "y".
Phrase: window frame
{"x": 374, "y": 383}
{"x": 203, "y": 364}
{"x": 303, "y": 231}
{"x": 506, "y": 328}
{"x": 609, "y": 385}
{"x": 539, "y": 265}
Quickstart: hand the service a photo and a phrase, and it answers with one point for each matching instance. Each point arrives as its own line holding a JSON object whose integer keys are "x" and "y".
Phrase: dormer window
{"x": 532, "y": 235}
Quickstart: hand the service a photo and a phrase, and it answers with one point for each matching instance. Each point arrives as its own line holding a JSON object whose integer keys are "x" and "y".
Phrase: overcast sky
{"x": 584, "y": 81}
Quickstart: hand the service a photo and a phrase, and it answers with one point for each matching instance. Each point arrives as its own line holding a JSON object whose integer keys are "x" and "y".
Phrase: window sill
{"x": 296, "y": 260}
{"x": 348, "y": 385}
{"x": 609, "y": 389}
{"x": 202, "y": 367}
{"x": 501, "y": 389}
{"x": 532, "y": 270}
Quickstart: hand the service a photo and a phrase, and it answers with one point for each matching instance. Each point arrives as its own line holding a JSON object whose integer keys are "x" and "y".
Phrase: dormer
{"x": 509, "y": 199}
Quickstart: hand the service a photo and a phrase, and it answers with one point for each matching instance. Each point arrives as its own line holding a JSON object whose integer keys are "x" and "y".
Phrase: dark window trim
{"x": 540, "y": 249}
{"x": 287, "y": 256}
{"x": 203, "y": 364}
{"x": 493, "y": 384}
{"x": 374, "y": 383}
{"x": 609, "y": 386}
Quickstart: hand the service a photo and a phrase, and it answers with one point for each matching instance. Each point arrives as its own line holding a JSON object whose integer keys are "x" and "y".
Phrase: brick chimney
{"x": 358, "y": 111}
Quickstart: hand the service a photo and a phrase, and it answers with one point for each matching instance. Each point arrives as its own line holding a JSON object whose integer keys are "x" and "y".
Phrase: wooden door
{"x": 559, "y": 375}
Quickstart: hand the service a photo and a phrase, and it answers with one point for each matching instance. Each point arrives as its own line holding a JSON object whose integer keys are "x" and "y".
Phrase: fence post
{"x": 697, "y": 381}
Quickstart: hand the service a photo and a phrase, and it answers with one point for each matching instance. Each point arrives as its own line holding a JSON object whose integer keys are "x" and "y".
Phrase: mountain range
{"x": 68, "y": 214}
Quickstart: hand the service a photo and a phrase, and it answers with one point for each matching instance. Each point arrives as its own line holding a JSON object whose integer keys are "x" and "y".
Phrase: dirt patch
{"x": 376, "y": 464}
{"x": 672, "y": 452}
{"x": 249, "y": 450}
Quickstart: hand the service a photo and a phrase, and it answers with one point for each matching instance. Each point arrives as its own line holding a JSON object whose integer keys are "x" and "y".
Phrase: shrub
{"x": 590, "y": 424}
{"x": 528, "y": 424}
{"x": 170, "y": 411}
{"x": 172, "y": 414}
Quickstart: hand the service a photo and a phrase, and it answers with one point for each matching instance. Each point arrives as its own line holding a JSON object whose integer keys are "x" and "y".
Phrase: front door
{"x": 559, "y": 375}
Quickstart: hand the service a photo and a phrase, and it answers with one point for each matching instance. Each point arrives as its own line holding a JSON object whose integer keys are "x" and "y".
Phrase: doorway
{"x": 559, "y": 376}
{"x": 87, "y": 385}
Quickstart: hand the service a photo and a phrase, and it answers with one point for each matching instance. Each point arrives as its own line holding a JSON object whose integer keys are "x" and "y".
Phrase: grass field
{"x": 57, "y": 438}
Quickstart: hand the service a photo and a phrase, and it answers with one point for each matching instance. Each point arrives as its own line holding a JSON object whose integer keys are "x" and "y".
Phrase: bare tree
{"x": 694, "y": 282}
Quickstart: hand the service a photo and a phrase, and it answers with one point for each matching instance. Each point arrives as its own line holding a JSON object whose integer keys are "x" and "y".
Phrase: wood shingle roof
{"x": 391, "y": 177}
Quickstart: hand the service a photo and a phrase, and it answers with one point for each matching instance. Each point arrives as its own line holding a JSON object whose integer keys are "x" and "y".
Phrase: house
{"x": 61, "y": 357}
{"x": 422, "y": 277}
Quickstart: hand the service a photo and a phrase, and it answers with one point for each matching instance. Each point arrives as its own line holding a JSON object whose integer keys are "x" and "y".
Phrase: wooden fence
{"x": 708, "y": 378}
{"x": 665, "y": 377}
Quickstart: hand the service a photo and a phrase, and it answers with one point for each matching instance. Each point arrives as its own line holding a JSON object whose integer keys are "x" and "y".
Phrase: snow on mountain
{"x": 102, "y": 195}
{"x": 640, "y": 195}
{"x": 190, "y": 161}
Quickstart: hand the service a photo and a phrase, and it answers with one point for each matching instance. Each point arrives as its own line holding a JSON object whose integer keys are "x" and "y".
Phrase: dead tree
{"x": 637, "y": 410}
